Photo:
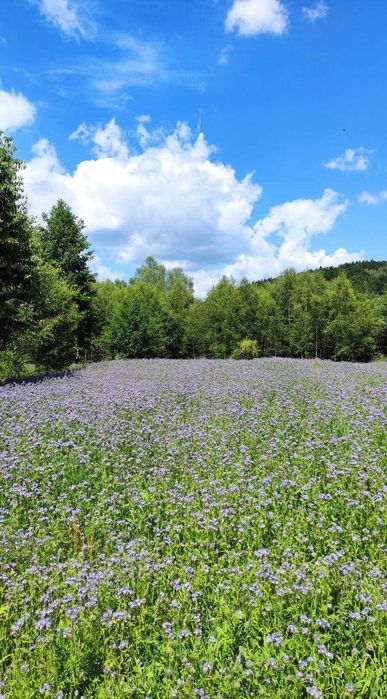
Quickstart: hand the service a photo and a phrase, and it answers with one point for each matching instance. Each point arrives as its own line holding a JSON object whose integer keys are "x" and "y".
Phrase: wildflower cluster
{"x": 187, "y": 529}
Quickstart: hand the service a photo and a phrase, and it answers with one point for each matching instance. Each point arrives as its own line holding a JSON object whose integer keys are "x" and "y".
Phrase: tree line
{"x": 53, "y": 311}
{"x": 296, "y": 315}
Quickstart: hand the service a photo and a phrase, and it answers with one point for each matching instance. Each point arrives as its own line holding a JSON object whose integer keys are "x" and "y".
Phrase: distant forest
{"x": 368, "y": 277}
{"x": 53, "y": 311}
{"x": 335, "y": 313}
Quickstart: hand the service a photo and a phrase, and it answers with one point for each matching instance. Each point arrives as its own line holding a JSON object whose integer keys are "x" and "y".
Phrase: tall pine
{"x": 64, "y": 245}
{"x": 16, "y": 263}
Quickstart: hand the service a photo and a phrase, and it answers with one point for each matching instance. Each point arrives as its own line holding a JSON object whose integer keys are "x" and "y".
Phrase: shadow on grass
{"x": 39, "y": 378}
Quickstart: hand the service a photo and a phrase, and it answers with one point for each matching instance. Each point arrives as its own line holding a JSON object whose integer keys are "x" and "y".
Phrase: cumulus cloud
{"x": 372, "y": 199}
{"x": 175, "y": 201}
{"x": 352, "y": 160}
{"x": 15, "y": 111}
{"x": 62, "y": 14}
{"x": 170, "y": 198}
{"x": 297, "y": 222}
{"x": 44, "y": 178}
{"x": 253, "y": 17}
{"x": 317, "y": 11}
{"x": 108, "y": 140}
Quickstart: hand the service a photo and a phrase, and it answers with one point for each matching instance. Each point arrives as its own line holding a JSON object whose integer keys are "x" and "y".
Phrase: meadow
{"x": 209, "y": 528}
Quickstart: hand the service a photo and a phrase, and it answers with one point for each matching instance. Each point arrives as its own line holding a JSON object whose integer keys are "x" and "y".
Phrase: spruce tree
{"x": 16, "y": 263}
{"x": 64, "y": 245}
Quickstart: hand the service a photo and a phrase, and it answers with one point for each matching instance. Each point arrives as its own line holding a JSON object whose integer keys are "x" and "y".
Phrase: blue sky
{"x": 226, "y": 136}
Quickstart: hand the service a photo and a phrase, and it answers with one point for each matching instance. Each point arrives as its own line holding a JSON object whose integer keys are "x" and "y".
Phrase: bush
{"x": 14, "y": 365}
{"x": 6, "y": 365}
{"x": 246, "y": 349}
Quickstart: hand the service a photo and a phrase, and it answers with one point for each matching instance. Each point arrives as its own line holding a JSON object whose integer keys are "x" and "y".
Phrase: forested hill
{"x": 369, "y": 276}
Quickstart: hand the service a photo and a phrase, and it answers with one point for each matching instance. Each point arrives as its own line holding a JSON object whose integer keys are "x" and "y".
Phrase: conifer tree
{"x": 16, "y": 263}
{"x": 64, "y": 245}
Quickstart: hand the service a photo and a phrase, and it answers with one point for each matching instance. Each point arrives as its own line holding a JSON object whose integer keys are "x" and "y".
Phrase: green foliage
{"x": 15, "y": 365}
{"x": 152, "y": 273}
{"x": 368, "y": 276}
{"x": 47, "y": 341}
{"x": 297, "y": 315}
{"x": 6, "y": 365}
{"x": 381, "y": 308}
{"x": 179, "y": 291}
{"x": 106, "y": 300}
{"x": 195, "y": 329}
{"x": 307, "y": 315}
{"x": 179, "y": 296}
{"x": 122, "y": 322}
{"x": 53, "y": 342}
{"x": 16, "y": 264}
{"x": 352, "y": 324}
{"x": 223, "y": 319}
{"x": 300, "y": 315}
{"x": 174, "y": 290}
{"x": 138, "y": 326}
{"x": 64, "y": 245}
{"x": 46, "y": 285}
{"x": 246, "y": 349}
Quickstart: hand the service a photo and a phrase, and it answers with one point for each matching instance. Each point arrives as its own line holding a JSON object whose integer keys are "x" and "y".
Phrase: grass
{"x": 210, "y": 529}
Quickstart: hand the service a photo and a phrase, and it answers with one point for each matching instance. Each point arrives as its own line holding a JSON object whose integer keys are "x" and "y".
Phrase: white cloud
{"x": 62, "y": 14}
{"x": 204, "y": 280}
{"x": 174, "y": 201}
{"x": 108, "y": 140}
{"x": 300, "y": 219}
{"x": 147, "y": 138}
{"x": 15, "y": 111}
{"x": 296, "y": 222}
{"x": 171, "y": 264}
{"x": 44, "y": 178}
{"x": 170, "y": 200}
{"x": 143, "y": 118}
{"x": 318, "y": 11}
{"x": 352, "y": 160}
{"x": 102, "y": 270}
{"x": 108, "y": 76}
{"x": 252, "y": 17}
{"x": 372, "y": 199}
{"x": 255, "y": 267}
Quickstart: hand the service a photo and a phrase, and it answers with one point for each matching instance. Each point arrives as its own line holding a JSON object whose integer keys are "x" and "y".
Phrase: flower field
{"x": 210, "y": 529}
